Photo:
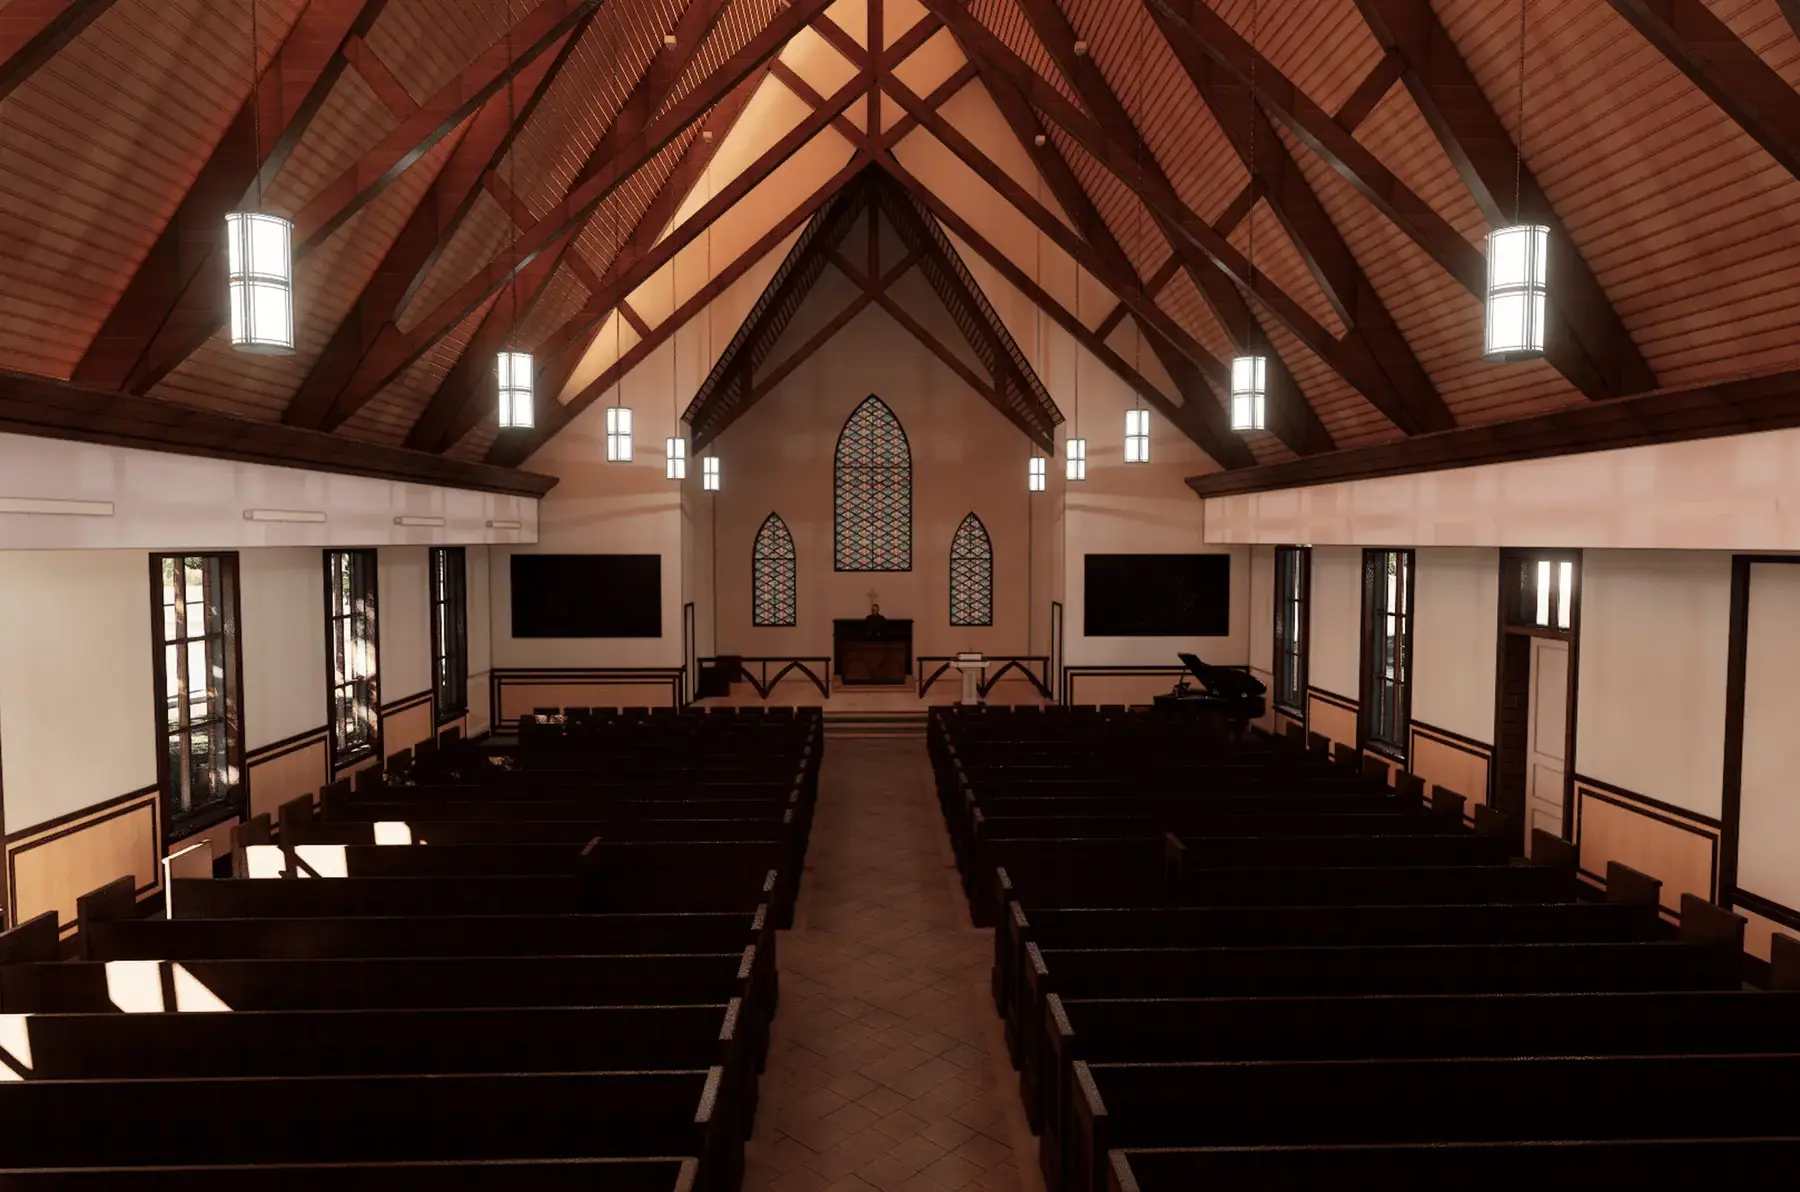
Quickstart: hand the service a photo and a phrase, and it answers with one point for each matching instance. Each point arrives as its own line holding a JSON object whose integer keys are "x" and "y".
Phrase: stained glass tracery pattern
{"x": 971, "y": 574}
{"x": 873, "y": 507}
{"x": 774, "y": 576}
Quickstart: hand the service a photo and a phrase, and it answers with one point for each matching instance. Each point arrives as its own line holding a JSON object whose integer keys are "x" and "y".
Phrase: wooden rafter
{"x": 287, "y": 96}
{"x": 553, "y": 415}
{"x": 34, "y": 405}
{"x": 395, "y": 354}
{"x": 1586, "y": 340}
{"x": 1733, "y": 75}
{"x": 202, "y": 309}
{"x": 33, "y": 31}
{"x": 434, "y": 220}
{"x": 648, "y": 94}
{"x": 1671, "y": 416}
{"x": 1370, "y": 331}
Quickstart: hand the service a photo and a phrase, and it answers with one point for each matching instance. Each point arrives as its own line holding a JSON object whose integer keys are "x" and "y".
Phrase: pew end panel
{"x": 1784, "y": 962}
{"x": 115, "y": 900}
{"x": 1627, "y": 885}
{"x": 36, "y": 939}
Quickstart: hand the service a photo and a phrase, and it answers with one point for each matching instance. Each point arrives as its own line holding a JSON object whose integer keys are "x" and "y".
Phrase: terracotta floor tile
{"x": 887, "y": 1070}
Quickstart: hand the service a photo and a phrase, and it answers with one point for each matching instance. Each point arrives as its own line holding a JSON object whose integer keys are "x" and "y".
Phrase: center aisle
{"x": 888, "y": 1068}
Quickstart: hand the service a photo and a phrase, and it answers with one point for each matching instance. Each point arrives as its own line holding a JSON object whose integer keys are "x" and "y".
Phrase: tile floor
{"x": 888, "y": 1069}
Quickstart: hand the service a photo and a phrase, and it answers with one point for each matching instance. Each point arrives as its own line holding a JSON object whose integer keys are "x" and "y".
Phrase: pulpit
{"x": 972, "y": 666}
{"x": 872, "y": 650}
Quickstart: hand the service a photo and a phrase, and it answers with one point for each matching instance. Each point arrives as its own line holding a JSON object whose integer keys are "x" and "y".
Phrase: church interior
{"x": 902, "y": 595}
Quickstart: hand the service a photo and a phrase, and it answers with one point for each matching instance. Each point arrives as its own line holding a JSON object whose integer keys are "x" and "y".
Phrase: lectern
{"x": 972, "y": 666}
{"x": 872, "y": 650}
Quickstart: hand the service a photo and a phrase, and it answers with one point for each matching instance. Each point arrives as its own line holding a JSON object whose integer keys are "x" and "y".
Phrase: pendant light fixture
{"x": 674, "y": 447}
{"x": 1075, "y": 449}
{"x": 259, "y": 253}
{"x": 1137, "y": 419}
{"x": 709, "y": 465}
{"x": 619, "y": 439}
{"x": 514, "y": 371}
{"x": 709, "y": 473}
{"x": 1250, "y": 368}
{"x": 1037, "y": 467}
{"x": 1037, "y": 476}
{"x": 1518, "y": 292}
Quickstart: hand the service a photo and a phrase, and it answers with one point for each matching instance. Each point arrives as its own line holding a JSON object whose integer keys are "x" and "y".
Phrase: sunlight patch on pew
{"x": 321, "y": 860}
{"x": 393, "y": 832}
{"x": 135, "y": 986}
{"x": 192, "y": 996}
{"x": 265, "y": 860}
{"x": 15, "y": 1046}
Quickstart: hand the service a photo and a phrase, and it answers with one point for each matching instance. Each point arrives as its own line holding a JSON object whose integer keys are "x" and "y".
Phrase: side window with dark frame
{"x": 194, "y": 608}
{"x": 352, "y": 650}
{"x": 450, "y": 631}
{"x": 1293, "y": 582}
{"x": 1387, "y": 649}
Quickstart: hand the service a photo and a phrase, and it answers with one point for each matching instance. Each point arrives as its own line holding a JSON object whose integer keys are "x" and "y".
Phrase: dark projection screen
{"x": 1158, "y": 596}
{"x": 587, "y": 595}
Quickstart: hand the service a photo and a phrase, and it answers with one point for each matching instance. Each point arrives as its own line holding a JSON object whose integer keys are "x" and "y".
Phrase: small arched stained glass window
{"x": 774, "y": 575}
{"x": 873, "y": 523}
{"x": 971, "y": 574}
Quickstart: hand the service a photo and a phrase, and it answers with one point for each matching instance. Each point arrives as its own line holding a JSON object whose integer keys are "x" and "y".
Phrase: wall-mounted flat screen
{"x": 1158, "y": 596}
{"x": 587, "y": 595}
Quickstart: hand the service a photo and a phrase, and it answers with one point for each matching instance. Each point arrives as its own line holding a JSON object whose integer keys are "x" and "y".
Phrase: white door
{"x": 1546, "y": 737}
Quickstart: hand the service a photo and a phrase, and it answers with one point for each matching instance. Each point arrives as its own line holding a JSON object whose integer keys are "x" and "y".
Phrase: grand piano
{"x": 1229, "y": 699}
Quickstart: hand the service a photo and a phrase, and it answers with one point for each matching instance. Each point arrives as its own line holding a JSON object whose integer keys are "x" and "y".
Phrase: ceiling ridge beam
{"x": 429, "y": 228}
{"x": 554, "y": 415}
{"x": 286, "y": 97}
{"x": 1585, "y": 340}
{"x": 459, "y": 387}
{"x": 32, "y": 32}
{"x": 396, "y": 353}
{"x": 1412, "y": 402}
{"x": 202, "y": 308}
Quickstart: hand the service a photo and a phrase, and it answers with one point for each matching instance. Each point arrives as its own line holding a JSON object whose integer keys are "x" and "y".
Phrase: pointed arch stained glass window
{"x": 873, "y": 522}
{"x": 774, "y": 572}
{"x": 971, "y": 574}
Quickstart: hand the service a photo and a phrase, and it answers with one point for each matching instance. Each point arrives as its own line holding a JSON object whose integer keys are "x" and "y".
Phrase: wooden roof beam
{"x": 34, "y": 31}
{"x": 185, "y": 256}
{"x": 466, "y": 376}
{"x": 1370, "y": 331}
{"x": 394, "y": 354}
{"x": 434, "y": 220}
{"x": 1733, "y": 76}
{"x": 1585, "y": 340}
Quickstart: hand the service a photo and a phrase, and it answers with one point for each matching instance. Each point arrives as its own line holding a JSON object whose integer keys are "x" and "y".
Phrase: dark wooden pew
{"x": 532, "y": 1175}
{"x": 1499, "y": 1166}
{"x": 311, "y": 1119}
{"x": 1287, "y": 1103}
{"x": 247, "y": 898}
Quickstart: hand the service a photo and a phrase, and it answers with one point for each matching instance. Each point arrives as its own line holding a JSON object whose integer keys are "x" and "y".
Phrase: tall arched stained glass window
{"x": 874, "y": 492}
{"x": 971, "y": 574}
{"x": 774, "y": 570}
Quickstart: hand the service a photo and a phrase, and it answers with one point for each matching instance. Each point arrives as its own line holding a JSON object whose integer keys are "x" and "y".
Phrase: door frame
{"x": 1506, "y": 627}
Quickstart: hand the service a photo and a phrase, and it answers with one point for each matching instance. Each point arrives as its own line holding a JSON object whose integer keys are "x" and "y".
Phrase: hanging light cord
{"x": 256, "y": 104}
{"x": 512, "y": 220}
{"x": 1519, "y": 151}
{"x": 1250, "y": 254}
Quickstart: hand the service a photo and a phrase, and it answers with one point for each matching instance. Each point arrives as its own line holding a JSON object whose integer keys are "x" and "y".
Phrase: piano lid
{"x": 1223, "y": 681}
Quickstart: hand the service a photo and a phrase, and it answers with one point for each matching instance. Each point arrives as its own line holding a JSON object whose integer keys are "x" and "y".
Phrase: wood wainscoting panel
{"x": 515, "y": 693}
{"x": 287, "y": 769}
{"x": 1332, "y": 715}
{"x": 218, "y": 835}
{"x": 1454, "y": 762}
{"x": 1098, "y": 686}
{"x": 1681, "y": 848}
{"x": 50, "y": 865}
{"x": 405, "y": 723}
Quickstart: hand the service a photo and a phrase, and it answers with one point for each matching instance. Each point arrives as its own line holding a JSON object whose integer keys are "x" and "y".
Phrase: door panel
{"x": 1547, "y": 738}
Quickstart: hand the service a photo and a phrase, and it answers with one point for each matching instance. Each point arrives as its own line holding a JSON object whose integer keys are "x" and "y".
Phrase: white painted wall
{"x": 1769, "y": 807}
{"x": 1335, "y": 652}
{"x": 1655, "y": 628}
{"x": 155, "y": 500}
{"x": 281, "y": 595}
{"x": 1455, "y": 608}
{"x": 404, "y": 611}
{"x": 76, "y": 684}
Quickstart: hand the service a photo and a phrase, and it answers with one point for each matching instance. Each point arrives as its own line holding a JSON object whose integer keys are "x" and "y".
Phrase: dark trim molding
{"x": 286, "y": 745}
{"x": 1444, "y": 736}
{"x": 1667, "y": 814}
{"x": 1672, "y": 416}
{"x": 50, "y": 409}
{"x": 1768, "y": 908}
{"x": 407, "y": 702}
{"x": 52, "y": 830}
{"x": 577, "y": 676}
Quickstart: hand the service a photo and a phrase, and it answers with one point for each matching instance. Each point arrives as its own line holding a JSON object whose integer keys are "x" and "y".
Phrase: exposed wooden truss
{"x": 287, "y": 96}
{"x": 33, "y": 405}
{"x": 1701, "y": 412}
{"x": 409, "y": 260}
{"x": 32, "y": 31}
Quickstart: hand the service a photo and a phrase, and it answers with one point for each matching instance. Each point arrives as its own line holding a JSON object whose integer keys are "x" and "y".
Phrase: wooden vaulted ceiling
{"x": 1309, "y": 178}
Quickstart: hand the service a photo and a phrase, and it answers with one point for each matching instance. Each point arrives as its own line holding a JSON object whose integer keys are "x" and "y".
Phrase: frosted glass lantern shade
{"x": 1038, "y": 476}
{"x": 518, "y": 405}
{"x": 1076, "y": 450}
{"x": 709, "y": 473}
{"x": 260, "y": 268}
{"x": 1518, "y": 293}
{"x": 618, "y": 435}
{"x": 1137, "y": 436}
{"x": 675, "y": 450}
{"x": 1249, "y": 393}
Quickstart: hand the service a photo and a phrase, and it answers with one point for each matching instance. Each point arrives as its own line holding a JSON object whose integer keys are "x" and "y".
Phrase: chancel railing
{"x": 1035, "y": 668}
{"x": 756, "y": 672}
